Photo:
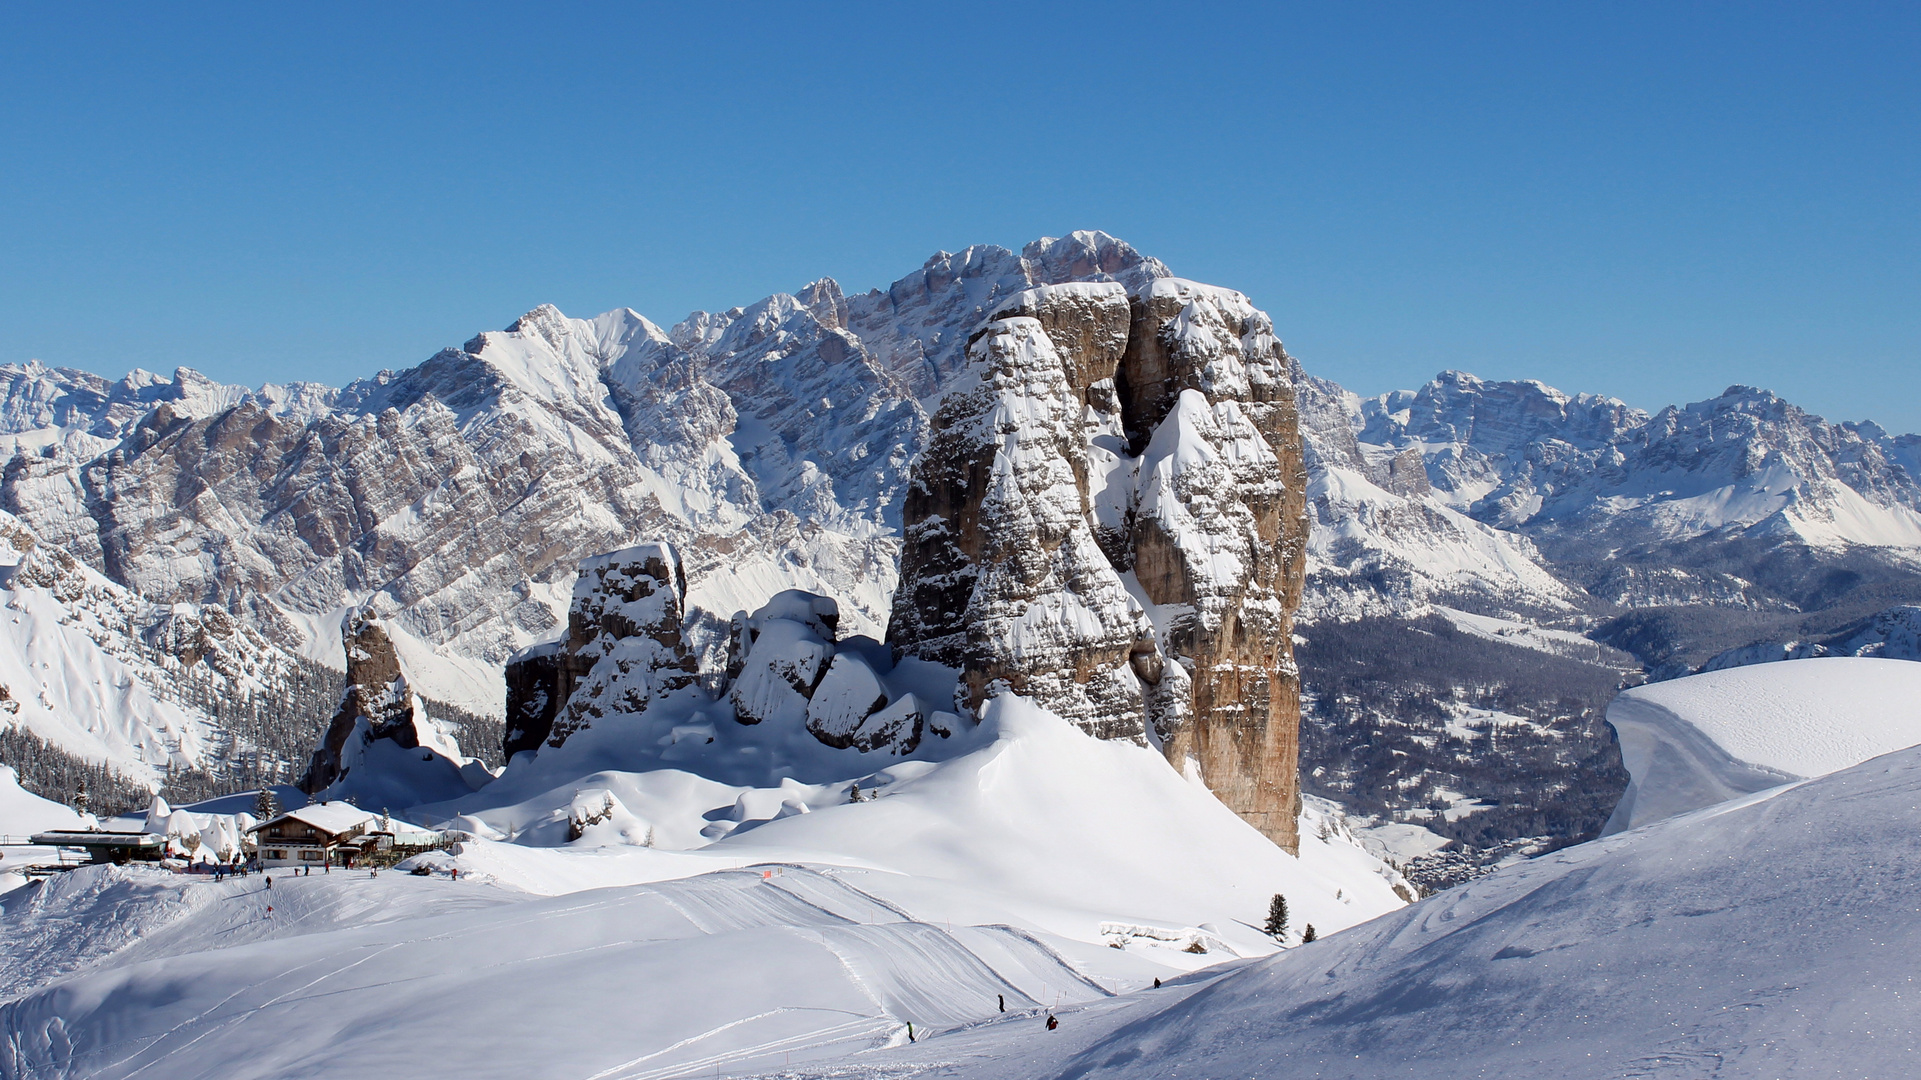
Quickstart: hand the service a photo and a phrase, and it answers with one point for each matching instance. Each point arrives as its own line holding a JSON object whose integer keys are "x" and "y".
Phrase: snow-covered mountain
{"x": 1490, "y": 559}
{"x": 1542, "y": 539}
{"x": 93, "y": 668}
{"x": 1612, "y": 495}
{"x": 769, "y": 443}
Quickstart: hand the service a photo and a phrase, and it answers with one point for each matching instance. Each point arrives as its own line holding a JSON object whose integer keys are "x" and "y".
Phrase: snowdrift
{"x": 23, "y": 813}
{"x": 1697, "y": 741}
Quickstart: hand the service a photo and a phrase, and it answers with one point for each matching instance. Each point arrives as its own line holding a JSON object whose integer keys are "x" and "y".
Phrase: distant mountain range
{"x": 1508, "y": 553}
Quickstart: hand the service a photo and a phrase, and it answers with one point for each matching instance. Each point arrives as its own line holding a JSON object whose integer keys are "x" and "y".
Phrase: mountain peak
{"x": 545, "y": 321}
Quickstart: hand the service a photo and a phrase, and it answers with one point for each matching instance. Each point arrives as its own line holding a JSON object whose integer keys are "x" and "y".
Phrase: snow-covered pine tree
{"x": 854, "y": 795}
{"x": 266, "y": 806}
{"x": 1276, "y": 927}
{"x": 1308, "y": 934}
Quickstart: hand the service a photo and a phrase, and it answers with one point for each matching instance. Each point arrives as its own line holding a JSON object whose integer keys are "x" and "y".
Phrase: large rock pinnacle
{"x": 623, "y": 649}
{"x": 382, "y": 748}
{"x": 1110, "y": 518}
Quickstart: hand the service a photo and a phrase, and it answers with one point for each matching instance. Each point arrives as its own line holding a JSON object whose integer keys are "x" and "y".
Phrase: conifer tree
{"x": 266, "y": 806}
{"x": 854, "y": 795}
{"x": 1276, "y": 927}
{"x": 1308, "y": 934}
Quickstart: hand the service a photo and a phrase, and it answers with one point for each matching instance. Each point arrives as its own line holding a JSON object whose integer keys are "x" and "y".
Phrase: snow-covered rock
{"x": 1704, "y": 739}
{"x": 786, "y": 661}
{"x": 1108, "y": 520}
{"x": 625, "y": 646}
{"x": 846, "y": 696}
{"x": 1002, "y": 576}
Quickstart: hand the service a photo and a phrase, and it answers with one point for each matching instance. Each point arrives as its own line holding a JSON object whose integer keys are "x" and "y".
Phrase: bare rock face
{"x": 1220, "y": 536}
{"x": 1110, "y": 518}
{"x": 624, "y": 647}
{"x": 377, "y": 702}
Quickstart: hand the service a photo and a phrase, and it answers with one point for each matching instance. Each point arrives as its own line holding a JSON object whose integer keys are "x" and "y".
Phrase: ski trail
{"x": 805, "y": 1040}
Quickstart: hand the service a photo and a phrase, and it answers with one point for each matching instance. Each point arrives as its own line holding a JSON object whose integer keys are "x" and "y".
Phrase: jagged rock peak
{"x": 1105, "y": 447}
{"x": 624, "y": 648}
{"x": 917, "y": 329}
{"x": 377, "y": 702}
{"x": 1001, "y": 573}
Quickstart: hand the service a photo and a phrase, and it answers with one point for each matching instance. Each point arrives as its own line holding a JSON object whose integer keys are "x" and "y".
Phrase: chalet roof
{"x": 96, "y": 838}
{"x": 333, "y": 817}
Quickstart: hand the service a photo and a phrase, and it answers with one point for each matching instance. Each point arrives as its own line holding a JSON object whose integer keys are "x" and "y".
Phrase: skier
{"x": 1003, "y": 1000}
{"x": 1051, "y": 1022}
{"x": 1157, "y": 984}
{"x": 269, "y": 881}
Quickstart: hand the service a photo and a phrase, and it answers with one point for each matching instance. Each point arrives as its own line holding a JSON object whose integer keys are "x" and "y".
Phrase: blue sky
{"x": 1647, "y": 201}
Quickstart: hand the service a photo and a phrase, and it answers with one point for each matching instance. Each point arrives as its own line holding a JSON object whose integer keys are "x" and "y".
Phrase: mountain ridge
{"x": 770, "y": 444}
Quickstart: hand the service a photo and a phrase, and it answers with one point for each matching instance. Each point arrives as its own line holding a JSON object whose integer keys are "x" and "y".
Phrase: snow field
{"x": 1699, "y": 740}
{"x": 1765, "y": 937}
{"x": 807, "y": 938}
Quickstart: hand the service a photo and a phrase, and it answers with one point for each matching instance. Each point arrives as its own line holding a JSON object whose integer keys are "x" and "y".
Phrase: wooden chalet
{"x": 338, "y": 834}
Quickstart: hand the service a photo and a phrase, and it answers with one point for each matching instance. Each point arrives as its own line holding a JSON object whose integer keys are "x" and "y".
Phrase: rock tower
{"x": 1110, "y": 517}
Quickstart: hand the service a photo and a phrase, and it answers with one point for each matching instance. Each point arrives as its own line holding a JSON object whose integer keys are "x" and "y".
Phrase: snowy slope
{"x": 72, "y": 667}
{"x": 23, "y": 813}
{"x": 96, "y": 670}
{"x": 1767, "y": 938}
{"x": 1044, "y": 867}
{"x": 1696, "y": 741}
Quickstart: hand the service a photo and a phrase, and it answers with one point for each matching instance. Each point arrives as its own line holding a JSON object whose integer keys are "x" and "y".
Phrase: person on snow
{"x": 1052, "y": 1023}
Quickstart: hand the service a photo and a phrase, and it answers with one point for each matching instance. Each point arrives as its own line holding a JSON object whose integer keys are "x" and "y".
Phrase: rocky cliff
{"x": 382, "y": 748}
{"x": 1109, "y": 518}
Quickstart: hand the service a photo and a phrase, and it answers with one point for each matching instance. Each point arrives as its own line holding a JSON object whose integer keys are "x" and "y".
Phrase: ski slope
{"x": 1697, "y": 741}
{"x": 1039, "y": 869}
{"x": 1772, "y": 936}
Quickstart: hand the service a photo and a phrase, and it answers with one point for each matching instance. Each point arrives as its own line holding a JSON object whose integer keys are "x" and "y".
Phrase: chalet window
{"x": 311, "y": 856}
